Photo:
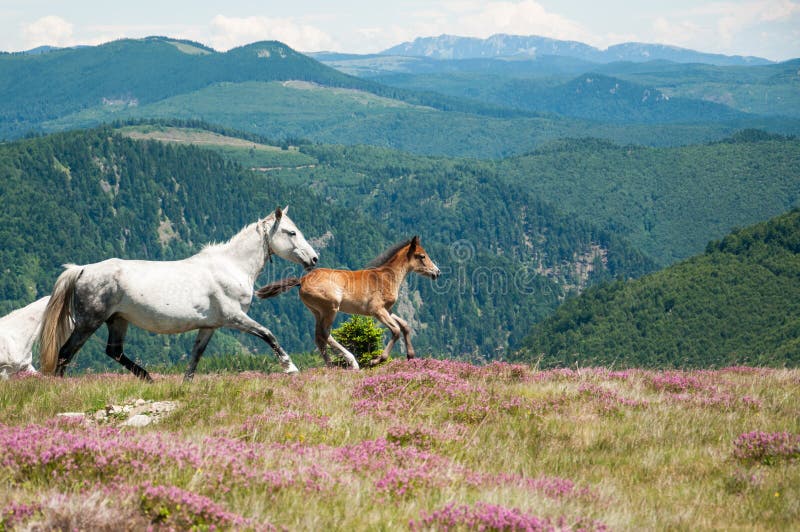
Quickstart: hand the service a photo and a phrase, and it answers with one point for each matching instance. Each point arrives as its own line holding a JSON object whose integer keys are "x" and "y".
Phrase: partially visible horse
{"x": 211, "y": 289}
{"x": 369, "y": 292}
{"x": 18, "y": 331}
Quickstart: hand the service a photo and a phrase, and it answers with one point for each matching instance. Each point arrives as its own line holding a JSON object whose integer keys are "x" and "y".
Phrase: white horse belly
{"x": 167, "y": 300}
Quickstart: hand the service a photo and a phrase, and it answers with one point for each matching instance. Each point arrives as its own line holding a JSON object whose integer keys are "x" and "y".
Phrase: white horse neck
{"x": 248, "y": 249}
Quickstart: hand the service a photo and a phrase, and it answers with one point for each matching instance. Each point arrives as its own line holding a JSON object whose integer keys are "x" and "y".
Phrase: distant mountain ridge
{"x": 502, "y": 45}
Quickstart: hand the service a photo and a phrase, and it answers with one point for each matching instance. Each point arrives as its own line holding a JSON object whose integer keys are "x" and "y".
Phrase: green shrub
{"x": 362, "y": 336}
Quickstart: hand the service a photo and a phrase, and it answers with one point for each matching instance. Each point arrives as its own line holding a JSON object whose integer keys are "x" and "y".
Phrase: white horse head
{"x": 287, "y": 242}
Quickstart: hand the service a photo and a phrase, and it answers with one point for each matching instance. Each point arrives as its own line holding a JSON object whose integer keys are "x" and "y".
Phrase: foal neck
{"x": 398, "y": 265}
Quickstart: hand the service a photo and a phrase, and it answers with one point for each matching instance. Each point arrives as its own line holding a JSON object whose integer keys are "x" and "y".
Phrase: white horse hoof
{"x": 291, "y": 369}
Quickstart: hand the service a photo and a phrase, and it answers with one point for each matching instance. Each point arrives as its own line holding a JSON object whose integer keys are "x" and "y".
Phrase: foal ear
{"x": 413, "y": 246}
{"x": 278, "y": 214}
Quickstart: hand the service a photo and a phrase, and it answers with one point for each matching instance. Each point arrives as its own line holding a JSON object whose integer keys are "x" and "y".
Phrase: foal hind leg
{"x": 410, "y": 353}
{"x": 117, "y": 329}
{"x": 320, "y": 338}
{"x": 200, "y": 344}
{"x": 245, "y": 323}
{"x": 347, "y": 354}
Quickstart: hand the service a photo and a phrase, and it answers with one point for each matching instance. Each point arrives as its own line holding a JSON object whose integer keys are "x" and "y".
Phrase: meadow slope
{"x": 424, "y": 445}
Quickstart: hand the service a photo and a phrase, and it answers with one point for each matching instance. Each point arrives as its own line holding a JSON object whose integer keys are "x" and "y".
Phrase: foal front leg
{"x": 245, "y": 323}
{"x": 387, "y": 319}
{"x": 410, "y": 353}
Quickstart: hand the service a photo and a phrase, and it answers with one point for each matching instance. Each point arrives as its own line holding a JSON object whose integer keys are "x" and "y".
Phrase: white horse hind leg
{"x": 117, "y": 328}
{"x": 245, "y": 323}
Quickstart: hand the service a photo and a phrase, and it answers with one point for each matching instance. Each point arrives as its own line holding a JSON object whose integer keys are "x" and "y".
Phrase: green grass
{"x": 378, "y": 449}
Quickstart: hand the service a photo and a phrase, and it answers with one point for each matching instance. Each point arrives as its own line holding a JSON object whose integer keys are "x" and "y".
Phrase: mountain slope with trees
{"x": 271, "y": 90}
{"x": 132, "y": 73}
{"x": 738, "y": 303}
{"x": 86, "y": 196}
{"x": 669, "y": 202}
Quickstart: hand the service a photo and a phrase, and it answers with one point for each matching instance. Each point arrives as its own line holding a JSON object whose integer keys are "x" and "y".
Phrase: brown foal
{"x": 370, "y": 292}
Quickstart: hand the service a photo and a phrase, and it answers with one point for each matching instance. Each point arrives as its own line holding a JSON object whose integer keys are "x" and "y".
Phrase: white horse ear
{"x": 286, "y": 210}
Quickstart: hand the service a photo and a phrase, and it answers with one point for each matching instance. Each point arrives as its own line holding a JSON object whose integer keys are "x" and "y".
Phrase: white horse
{"x": 206, "y": 291}
{"x": 18, "y": 331}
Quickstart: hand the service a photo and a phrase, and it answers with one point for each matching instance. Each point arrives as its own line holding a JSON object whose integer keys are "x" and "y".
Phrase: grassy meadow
{"x": 422, "y": 445}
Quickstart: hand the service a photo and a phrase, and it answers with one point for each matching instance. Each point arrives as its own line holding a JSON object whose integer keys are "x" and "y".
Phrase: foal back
{"x": 351, "y": 292}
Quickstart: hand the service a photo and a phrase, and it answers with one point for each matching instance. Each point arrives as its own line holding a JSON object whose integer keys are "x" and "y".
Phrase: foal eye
{"x": 421, "y": 257}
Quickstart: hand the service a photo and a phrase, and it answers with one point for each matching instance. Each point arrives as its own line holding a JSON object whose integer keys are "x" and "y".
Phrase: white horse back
{"x": 18, "y": 332}
{"x": 165, "y": 296}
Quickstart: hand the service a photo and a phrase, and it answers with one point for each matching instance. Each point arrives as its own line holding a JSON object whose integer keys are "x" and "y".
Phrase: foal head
{"x": 419, "y": 261}
{"x": 286, "y": 241}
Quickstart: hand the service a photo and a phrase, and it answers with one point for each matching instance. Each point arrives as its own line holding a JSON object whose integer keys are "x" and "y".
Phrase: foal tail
{"x": 57, "y": 319}
{"x": 278, "y": 287}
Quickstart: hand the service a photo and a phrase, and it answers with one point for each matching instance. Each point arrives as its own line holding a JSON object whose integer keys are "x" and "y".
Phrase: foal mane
{"x": 384, "y": 257}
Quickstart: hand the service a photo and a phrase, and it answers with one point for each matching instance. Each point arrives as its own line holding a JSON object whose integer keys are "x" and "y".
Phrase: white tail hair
{"x": 57, "y": 322}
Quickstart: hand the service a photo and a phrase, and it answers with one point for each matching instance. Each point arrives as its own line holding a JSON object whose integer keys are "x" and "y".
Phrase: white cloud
{"x": 229, "y": 32}
{"x": 719, "y": 26}
{"x": 50, "y": 30}
{"x": 520, "y": 18}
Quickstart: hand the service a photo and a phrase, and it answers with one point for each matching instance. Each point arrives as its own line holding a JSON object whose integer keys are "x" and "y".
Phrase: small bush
{"x": 362, "y": 336}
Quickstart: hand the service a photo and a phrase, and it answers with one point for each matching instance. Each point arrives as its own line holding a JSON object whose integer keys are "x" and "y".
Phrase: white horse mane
{"x": 212, "y": 247}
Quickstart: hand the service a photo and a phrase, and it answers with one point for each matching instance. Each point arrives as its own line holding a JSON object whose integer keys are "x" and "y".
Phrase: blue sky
{"x": 766, "y": 28}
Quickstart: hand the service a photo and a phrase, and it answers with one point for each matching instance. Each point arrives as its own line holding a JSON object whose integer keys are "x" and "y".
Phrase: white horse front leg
{"x": 245, "y": 323}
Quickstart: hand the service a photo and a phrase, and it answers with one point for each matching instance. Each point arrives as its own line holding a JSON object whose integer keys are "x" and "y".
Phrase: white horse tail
{"x": 57, "y": 320}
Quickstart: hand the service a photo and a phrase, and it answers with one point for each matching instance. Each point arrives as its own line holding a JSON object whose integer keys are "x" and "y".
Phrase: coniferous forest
{"x": 570, "y": 191}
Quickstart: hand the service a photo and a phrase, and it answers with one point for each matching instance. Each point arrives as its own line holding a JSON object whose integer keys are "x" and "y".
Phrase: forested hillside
{"x": 86, "y": 196}
{"x": 508, "y": 258}
{"x": 543, "y": 82}
{"x": 271, "y": 90}
{"x": 738, "y": 303}
{"x": 669, "y": 202}
{"x": 122, "y": 76}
